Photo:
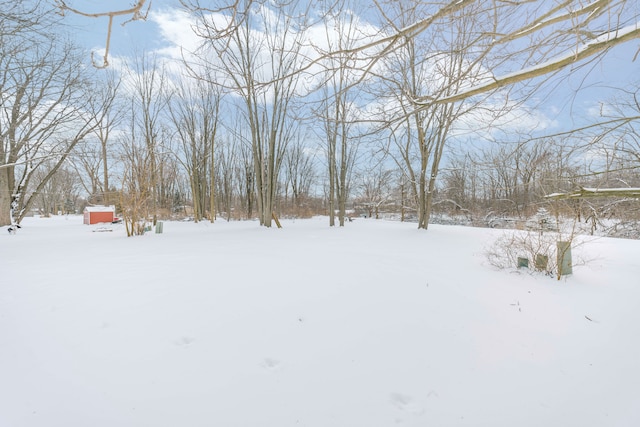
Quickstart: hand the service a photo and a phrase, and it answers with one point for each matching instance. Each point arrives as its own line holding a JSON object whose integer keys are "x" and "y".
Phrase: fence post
{"x": 564, "y": 259}
{"x": 523, "y": 262}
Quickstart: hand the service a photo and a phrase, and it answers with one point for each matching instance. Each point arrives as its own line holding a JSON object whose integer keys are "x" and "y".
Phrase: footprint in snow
{"x": 270, "y": 364}
{"x": 184, "y": 341}
{"x": 405, "y": 403}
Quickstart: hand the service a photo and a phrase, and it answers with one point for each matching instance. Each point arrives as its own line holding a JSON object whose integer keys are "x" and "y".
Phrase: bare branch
{"x": 136, "y": 14}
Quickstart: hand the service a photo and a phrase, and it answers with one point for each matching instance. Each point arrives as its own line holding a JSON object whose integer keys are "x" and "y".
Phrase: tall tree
{"x": 258, "y": 61}
{"x": 338, "y": 110}
{"x": 439, "y": 62}
{"x": 43, "y": 95}
{"x": 150, "y": 96}
{"x": 299, "y": 174}
{"x": 94, "y": 156}
{"x": 194, "y": 113}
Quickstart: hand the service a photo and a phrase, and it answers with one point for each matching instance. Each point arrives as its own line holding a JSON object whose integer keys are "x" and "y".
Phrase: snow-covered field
{"x": 372, "y": 325}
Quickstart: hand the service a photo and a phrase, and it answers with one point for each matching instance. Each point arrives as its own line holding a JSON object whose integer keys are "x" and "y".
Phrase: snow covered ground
{"x": 374, "y": 324}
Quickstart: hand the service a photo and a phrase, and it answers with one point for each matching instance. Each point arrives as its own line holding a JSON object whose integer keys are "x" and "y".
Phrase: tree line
{"x": 298, "y": 108}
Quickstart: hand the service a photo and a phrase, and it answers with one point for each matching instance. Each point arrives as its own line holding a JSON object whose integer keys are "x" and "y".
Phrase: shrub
{"x": 539, "y": 249}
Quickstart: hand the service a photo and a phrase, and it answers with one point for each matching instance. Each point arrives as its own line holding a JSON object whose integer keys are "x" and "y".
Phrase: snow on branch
{"x": 599, "y": 44}
{"x": 135, "y": 11}
{"x": 552, "y": 17}
{"x": 595, "y": 192}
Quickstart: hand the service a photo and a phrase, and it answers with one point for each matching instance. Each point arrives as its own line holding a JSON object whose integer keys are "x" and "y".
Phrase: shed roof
{"x": 100, "y": 209}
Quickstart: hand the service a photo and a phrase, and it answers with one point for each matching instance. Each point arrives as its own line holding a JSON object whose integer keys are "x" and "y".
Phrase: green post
{"x": 159, "y": 227}
{"x": 564, "y": 259}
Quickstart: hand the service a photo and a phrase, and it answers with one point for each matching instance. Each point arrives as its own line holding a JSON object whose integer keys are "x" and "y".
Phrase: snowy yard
{"x": 372, "y": 325}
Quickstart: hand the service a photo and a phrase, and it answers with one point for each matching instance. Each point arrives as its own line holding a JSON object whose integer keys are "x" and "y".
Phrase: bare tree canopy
{"x": 43, "y": 94}
{"x": 524, "y": 39}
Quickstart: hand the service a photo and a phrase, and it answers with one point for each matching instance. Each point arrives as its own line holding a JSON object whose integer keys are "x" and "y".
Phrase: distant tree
{"x": 615, "y": 135}
{"x": 227, "y": 172}
{"x": 338, "y": 112}
{"x": 245, "y": 177}
{"x": 258, "y": 60}
{"x": 194, "y": 112}
{"x": 136, "y": 198}
{"x": 150, "y": 96}
{"x": 375, "y": 189}
{"x": 299, "y": 171}
{"x": 606, "y": 185}
{"x": 92, "y": 159}
{"x": 459, "y": 191}
{"x": 60, "y": 193}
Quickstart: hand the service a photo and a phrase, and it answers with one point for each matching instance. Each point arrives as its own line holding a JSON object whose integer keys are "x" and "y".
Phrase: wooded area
{"x": 424, "y": 111}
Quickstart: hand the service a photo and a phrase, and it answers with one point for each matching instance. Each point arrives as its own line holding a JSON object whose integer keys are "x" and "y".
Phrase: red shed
{"x": 97, "y": 214}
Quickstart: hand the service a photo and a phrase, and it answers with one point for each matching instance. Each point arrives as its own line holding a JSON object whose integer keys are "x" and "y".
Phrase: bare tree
{"x": 43, "y": 94}
{"x": 136, "y": 198}
{"x": 226, "y": 170}
{"x": 60, "y": 193}
{"x": 460, "y": 189}
{"x": 142, "y": 170}
{"x": 259, "y": 66}
{"x": 375, "y": 189}
{"x": 439, "y": 63}
{"x": 194, "y": 112}
{"x": 246, "y": 178}
{"x": 299, "y": 171}
{"x": 338, "y": 111}
{"x": 93, "y": 157}
{"x": 150, "y": 97}
{"x": 607, "y": 185}
{"x": 526, "y": 40}
{"x": 87, "y": 163}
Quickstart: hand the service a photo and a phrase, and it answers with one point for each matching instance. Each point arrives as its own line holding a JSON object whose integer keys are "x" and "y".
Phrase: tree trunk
{"x": 212, "y": 185}
{"x": 5, "y": 195}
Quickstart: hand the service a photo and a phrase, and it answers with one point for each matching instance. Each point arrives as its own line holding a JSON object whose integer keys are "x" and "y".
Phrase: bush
{"x": 539, "y": 249}
{"x": 505, "y": 251}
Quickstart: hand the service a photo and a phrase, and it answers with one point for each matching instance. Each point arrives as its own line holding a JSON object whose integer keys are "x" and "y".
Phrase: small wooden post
{"x": 275, "y": 218}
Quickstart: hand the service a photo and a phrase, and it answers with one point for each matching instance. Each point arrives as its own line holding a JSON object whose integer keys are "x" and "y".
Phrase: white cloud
{"x": 176, "y": 29}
